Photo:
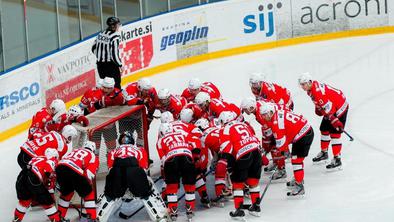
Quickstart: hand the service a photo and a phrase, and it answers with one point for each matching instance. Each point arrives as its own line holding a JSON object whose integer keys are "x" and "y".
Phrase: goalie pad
{"x": 154, "y": 204}
{"x": 107, "y": 208}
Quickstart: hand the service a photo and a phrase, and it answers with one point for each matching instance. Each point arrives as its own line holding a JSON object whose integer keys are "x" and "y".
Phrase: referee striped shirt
{"x": 106, "y": 47}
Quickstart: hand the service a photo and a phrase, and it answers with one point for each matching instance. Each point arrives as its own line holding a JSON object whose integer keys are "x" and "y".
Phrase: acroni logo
{"x": 184, "y": 37}
{"x": 257, "y": 22}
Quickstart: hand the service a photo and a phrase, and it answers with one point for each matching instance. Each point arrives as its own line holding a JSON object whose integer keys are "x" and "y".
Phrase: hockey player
{"x": 101, "y": 97}
{"x": 33, "y": 184}
{"x": 270, "y": 91}
{"x": 197, "y": 112}
{"x": 75, "y": 172}
{"x": 75, "y": 115}
{"x": 128, "y": 165}
{"x": 289, "y": 128}
{"x": 176, "y": 156}
{"x": 195, "y": 86}
{"x": 201, "y": 158}
{"x": 171, "y": 103}
{"x": 142, "y": 93}
{"x": 251, "y": 106}
{"x": 240, "y": 151}
{"x": 37, "y": 147}
{"x": 44, "y": 117}
{"x": 213, "y": 107}
{"x": 330, "y": 103}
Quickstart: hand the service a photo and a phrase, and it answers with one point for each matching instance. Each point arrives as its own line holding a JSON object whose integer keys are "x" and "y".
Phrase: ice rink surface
{"x": 363, "y": 67}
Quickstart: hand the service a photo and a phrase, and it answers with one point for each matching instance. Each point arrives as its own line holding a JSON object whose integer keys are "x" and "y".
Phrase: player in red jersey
{"x": 34, "y": 184}
{"x": 59, "y": 120}
{"x": 102, "y": 96}
{"x": 171, "y": 103}
{"x": 195, "y": 86}
{"x": 176, "y": 156}
{"x": 142, "y": 93}
{"x": 128, "y": 164}
{"x": 289, "y": 128}
{"x": 75, "y": 115}
{"x": 198, "y": 113}
{"x": 75, "y": 172}
{"x": 213, "y": 107}
{"x": 44, "y": 117}
{"x": 239, "y": 151}
{"x": 330, "y": 103}
{"x": 37, "y": 147}
{"x": 251, "y": 106}
{"x": 270, "y": 91}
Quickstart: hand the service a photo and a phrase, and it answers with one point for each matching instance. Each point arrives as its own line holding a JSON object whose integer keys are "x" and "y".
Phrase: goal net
{"x": 105, "y": 126}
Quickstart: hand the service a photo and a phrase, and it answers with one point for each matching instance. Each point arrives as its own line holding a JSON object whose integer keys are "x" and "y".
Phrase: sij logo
{"x": 258, "y": 22}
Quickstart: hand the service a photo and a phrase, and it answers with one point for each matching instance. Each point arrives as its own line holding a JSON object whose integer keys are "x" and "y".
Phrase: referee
{"x": 106, "y": 49}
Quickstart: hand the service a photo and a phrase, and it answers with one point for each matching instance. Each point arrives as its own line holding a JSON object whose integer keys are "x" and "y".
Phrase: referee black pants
{"x": 109, "y": 69}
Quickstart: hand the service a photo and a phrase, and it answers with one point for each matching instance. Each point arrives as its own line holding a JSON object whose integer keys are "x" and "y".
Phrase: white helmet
{"x": 99, "y": 83}
{"x": 186, "y": 115}
{"x": 194, "y": 84}
{"x": 166, "y": 117}
{"x": 108, "y": 82}
{"x": 75, "y": 111}
{"x": 256, "y": 78}
{"x": 202, "y": 123}
{"x": 144, "y": 84}
{"x": 69, "y": 133}
{"x": 226, "y": 116}
{"x": 58, "y": 106}
{"x": 89, "y": 145}
{"x": 165, "y": 128}
{"x": 163, "y": 93}
{"x": 248, "y": 103}
{"x": 51, "y": 153}
{"x": 201, "y": 98}
{"x": 304, "y": 78}
{"x": 266, "y": 108}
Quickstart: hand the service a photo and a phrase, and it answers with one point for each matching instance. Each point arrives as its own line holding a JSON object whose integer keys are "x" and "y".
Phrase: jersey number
{"x": 44, "y": 139}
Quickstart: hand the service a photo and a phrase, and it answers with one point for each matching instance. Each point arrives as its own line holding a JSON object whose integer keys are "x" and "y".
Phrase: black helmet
{"x": 112, "y": 21}
{"x": 126, "y": 138}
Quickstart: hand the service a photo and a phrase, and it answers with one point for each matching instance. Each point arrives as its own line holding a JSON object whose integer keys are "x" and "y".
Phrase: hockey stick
{"x": 247, "y": 206}
{"x": 347, "y": 134}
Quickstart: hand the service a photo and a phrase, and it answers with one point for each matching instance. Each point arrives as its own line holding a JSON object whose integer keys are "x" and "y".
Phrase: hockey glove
{"x": 338, "y": 125}
{"x": 319, "y": 111}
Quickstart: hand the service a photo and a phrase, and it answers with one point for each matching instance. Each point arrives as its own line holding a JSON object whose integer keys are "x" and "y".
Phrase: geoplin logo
{"x": 257, "y": 22}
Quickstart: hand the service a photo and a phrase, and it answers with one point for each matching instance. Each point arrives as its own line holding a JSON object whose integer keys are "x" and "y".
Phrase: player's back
{"x": 292, "y": 124}
{"x": 211, "y": 89}
{"x": 174, "y": 144}
{"x": 127, "y": 150}
{"x": 38, "y": 146}
{"x": 79, "y": 160}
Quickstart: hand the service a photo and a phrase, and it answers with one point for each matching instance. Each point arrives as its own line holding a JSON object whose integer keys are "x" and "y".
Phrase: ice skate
{"x": 336, "y": 163}
{"x": 321, "y": 156}
{"x": 297, "y": 190}
{"x": 238, "y": 214}
{"x": 255, "y": 209}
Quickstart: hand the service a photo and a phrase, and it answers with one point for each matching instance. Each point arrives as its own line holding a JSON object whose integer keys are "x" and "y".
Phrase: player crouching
{"x": 176, "y": 156}
{"x": 128, "y": 164}
{"x": 240, "y": 146}
{"x": 34, "y": 184}
{"x": 76, "y": 172}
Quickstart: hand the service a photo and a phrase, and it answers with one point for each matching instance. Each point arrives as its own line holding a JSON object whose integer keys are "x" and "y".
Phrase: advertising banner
{"x": 20, "y": 97}
{"x": 67, "y": 75}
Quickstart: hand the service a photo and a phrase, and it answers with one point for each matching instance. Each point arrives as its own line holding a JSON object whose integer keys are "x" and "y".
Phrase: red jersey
{"x": 172, "y": 145}
{"x": 175, "y": 106}
{"x": 237, "y": 139}
{"x": 57, "y": 123}
{"x": 211, "y": 139}
{"x": 275, "y": 94}
{"x": 43, "y": 168}
{"x": 133, "y": 95}
{"x": 188, "y": 128}
{"x": 206, "y": 87}
{"x": 38, "y": 123}
{"x": 91, "y": 97}
{"x": 115, "y": 98}
{"x": 38, "y": 146}
{"x": 217, "y": 106}
{"x": 288, "y": 128}
{"x": 82, "y": 161}
{"x": 126, "y": 151}
{"x": 329, "y": 100}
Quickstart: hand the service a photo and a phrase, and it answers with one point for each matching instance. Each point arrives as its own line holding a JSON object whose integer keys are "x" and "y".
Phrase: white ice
{"x": 362, "y": 67}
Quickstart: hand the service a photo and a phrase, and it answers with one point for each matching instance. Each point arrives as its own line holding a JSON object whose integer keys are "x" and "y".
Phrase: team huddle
{"x": 200, "y": 133}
